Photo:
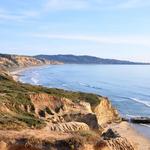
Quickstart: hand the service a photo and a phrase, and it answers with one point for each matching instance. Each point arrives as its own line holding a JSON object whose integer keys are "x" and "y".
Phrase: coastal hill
{"x": 72, "y": 59}
{"x": 18, "y": 61}
{"x": 8, "y": 61}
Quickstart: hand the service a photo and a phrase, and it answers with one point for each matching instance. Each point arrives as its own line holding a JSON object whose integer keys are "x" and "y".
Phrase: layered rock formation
{"x": 115, "y": 141}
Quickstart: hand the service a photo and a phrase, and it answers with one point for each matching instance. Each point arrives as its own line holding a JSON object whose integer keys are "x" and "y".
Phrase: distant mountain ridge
{"x": 84, "y": 59}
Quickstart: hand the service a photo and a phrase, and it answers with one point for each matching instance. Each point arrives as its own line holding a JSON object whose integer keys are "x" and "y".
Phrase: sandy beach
{"x": 15, "y": 73}
{"x": 137, "y": 140}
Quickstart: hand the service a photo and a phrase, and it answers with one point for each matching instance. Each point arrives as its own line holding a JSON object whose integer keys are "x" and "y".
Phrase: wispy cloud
{"x": 94, "y": 4}
{"x": 66, "y": 4}
{"x": 45, "y": 6}
{"x": 133, "y": 40}
{"x": 6, "y": 15}
{"x": 128, "y": 4}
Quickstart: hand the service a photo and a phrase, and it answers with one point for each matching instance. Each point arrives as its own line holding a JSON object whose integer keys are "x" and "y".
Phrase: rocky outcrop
{"x": 145, "y": 120}
{"x": 47, "y": 105}
{"x": 115, "y": 142}
{"x": 119, "y": 144}
{"x": 90, "y": 119}
{"x": 137, "y": 120}
{"x": 68, "y": 127}
{"x": 63, "y": 112}
{"x": 105, "y": 112}
{"x": 110, "y": 134}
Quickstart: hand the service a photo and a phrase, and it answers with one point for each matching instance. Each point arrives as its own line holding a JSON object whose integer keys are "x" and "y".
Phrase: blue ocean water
{"x": 127, "y": 86}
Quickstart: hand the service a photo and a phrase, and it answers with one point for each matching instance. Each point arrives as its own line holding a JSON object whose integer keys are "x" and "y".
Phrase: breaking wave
{"x": 90, "y": 86}
{"x": 146, "y": 103}
{"x": 146, "y": 125}
{"x": 34, "y": 80}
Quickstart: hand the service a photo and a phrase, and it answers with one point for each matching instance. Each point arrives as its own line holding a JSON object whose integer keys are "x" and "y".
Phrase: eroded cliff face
{"x": 14, "y": 61}
{"x": 58, "y": 105}
{"x": 105, "y": 112}
{"x": 52, "y": 105}
{"x": 63, "y": 114}
{"x": 54, "y": 119}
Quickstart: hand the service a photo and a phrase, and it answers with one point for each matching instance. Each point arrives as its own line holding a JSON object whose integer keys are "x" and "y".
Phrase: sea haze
{"x": 127, "y": 86}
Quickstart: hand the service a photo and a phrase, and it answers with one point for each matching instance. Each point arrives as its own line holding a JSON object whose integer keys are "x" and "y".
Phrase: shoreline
{"x": 141, "y": 129}
{"x": 15, "y": 73}
{"x": 125, "y": 129}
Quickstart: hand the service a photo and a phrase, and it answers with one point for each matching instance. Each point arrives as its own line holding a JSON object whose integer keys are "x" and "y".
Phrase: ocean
{"x": 127, "y": 86}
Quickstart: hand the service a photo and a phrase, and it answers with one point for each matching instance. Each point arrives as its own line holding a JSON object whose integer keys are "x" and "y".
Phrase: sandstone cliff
{"x": 15, "y": 61}
{"x": 54, "y": 119}
{"x": 105, "y": 112}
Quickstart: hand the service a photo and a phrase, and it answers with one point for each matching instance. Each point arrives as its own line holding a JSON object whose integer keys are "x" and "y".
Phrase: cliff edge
{"x": 40, "y": 118}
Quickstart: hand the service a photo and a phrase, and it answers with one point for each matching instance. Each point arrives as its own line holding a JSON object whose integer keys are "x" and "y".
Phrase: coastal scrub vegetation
{"x": 14, "y": 99}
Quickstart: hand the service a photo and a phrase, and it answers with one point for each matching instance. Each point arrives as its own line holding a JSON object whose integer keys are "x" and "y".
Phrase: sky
{"x": 117, "y": 29}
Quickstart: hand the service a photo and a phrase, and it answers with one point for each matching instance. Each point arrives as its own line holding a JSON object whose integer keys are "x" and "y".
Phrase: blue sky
{"x": 105, "y": 28}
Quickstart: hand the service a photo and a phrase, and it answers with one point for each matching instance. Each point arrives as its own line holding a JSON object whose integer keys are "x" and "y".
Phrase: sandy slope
{"x": 138, "y": 141}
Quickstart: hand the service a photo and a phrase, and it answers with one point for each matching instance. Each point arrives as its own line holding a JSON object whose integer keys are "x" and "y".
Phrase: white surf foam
{"x": 146, "y": 125}
{"x": 146, "y": 103}
{"x": 90, "y": 86}
{"x": 35, "y": 81}
{"x": 131, "y": 116}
